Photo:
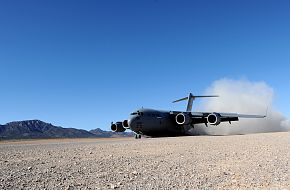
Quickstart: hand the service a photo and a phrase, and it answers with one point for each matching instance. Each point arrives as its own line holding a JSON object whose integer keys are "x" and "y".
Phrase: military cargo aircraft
{"x": 158, "y": 123}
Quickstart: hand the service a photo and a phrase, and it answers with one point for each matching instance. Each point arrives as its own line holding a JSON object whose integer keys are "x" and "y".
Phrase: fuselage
{"x": 154, "y": 123}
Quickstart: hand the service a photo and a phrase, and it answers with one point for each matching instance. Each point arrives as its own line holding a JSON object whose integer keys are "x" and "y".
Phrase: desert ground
{"x": 256, "y": 161}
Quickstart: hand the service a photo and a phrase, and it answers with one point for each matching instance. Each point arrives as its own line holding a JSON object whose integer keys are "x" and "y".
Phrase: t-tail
{"x": 191, "y": 98}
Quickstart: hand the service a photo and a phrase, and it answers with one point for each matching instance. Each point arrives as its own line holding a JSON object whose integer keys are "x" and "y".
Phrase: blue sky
{"x": 86, "y": 63}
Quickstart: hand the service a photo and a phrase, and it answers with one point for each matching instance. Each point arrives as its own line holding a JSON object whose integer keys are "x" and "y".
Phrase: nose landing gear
{"x": 137, "y": 136}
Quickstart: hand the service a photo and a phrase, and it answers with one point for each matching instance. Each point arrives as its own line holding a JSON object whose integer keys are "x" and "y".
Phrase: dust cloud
{"x": 244, "y": 97}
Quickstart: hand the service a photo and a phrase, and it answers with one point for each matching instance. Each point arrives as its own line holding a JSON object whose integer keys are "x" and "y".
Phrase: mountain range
{"x": 36, "y": 129}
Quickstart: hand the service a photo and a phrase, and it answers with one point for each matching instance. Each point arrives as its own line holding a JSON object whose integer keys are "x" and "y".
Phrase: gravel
{"x": 257, "y": 161}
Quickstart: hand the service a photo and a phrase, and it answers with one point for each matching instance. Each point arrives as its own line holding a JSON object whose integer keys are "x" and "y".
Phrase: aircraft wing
{"x": 202, "y": 117}
{"x": 250, "y": 116}
{"x": 205, "y": 114}
{"x": 212, "y": 118}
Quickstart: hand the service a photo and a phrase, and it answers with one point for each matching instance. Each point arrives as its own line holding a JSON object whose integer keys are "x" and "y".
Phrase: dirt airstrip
{"x": 256, "y": 161}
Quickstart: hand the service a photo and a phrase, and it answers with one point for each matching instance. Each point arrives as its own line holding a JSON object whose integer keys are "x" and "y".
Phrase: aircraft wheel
{"x": 137, "y": 136}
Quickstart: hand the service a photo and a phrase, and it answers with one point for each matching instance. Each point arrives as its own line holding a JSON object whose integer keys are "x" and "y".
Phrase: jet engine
{"x": 117, "y": 127}
{"x": 214, "y": 119}
{"x": 125, "y": 124}
{"x": 182, "y": 119}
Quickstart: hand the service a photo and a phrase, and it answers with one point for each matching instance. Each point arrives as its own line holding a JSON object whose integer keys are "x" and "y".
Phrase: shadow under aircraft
{"x": 159, "y": 123}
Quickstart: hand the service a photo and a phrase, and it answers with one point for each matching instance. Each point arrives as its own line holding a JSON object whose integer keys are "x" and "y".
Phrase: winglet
{"x": 267, "y": 111}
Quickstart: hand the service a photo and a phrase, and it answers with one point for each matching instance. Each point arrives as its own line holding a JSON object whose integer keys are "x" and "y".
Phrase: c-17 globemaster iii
{"x": 158, "y": 123}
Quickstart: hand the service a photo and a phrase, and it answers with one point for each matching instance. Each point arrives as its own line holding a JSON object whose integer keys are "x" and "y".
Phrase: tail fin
{"x": 190, "y": 99}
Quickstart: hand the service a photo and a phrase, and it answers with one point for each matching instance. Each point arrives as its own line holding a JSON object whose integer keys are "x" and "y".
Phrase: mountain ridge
{"x": 37, "y": 129}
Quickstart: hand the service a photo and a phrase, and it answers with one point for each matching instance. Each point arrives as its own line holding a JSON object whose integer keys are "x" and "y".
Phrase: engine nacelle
{"x": 182, "y": 119}
{"x": 126, "y": 124}
{"x": 214, "y": 119}
{"x": 117, "y": 127}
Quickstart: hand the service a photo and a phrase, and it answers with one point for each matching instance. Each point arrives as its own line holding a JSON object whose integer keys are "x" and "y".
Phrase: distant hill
{"x": 100, "y": 133}
{"x": 36, "y": 129}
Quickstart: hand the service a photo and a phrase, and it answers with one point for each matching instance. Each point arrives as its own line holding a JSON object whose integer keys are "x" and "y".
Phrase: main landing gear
{"x": 137, "y": 136}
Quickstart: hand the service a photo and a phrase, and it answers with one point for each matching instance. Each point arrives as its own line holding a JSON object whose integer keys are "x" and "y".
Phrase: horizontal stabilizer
{"x": 190, "y": 99}
{"x": 186, "y": 98}
{"x": 180, "y": 100}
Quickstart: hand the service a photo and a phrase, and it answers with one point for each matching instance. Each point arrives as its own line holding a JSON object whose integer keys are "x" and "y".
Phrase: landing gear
{"x": 137, "y": 136}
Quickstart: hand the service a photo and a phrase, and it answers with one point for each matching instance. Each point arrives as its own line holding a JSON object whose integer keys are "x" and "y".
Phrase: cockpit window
{"x": 137, "y": 113}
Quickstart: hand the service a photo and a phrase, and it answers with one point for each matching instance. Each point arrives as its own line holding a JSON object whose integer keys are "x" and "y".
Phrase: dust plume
{"x": 244, "y": 97}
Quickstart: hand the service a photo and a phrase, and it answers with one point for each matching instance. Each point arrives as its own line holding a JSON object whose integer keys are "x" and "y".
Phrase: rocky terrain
{"x": 36, "y": 129}
{"x": 258, "y": 161}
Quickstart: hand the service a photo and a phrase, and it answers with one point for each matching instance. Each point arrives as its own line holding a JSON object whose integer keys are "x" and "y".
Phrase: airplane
{"x": 158, "y": 123}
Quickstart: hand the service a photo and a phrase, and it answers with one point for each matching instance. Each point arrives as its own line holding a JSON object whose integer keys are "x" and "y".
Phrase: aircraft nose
{"x": 132, "y": 123}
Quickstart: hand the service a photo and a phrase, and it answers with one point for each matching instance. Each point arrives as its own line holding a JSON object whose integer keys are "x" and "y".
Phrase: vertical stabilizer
{"x": 191, "y": 98}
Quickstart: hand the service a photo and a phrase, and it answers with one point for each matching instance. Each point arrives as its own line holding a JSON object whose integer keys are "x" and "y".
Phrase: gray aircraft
{"x": 158, "y": 123}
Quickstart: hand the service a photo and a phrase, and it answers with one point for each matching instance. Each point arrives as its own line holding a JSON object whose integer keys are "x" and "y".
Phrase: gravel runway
{"x": 256, "y": 161}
